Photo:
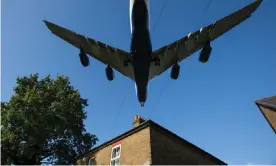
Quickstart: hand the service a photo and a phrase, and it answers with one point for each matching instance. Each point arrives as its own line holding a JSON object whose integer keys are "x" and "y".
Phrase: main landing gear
{"x": 126, "y": 62}
{"x": 156, "y": 61}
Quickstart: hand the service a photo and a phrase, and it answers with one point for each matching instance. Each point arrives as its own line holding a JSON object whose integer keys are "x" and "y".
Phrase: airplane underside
{"x": 142, "y": 64}
{"x": 141, "y": 48}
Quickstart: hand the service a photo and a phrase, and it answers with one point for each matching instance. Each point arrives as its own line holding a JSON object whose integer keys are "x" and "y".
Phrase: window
{"x": 91, "y": 161}
{"x": 115, "y": 155}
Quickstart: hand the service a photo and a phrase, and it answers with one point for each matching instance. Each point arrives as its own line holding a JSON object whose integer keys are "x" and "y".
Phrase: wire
{"x": 117, "y": 115}
{"x": 165, "y": 86}
{"x": 153, "y": 30}
{"x": 160, "y": 14}
{"x": 121, "y": 105}
{"x": 206, "y": 8}
{"x": 167, "y": 81}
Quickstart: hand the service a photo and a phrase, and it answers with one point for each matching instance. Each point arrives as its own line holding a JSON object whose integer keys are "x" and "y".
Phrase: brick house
{"x": 267, "y": 107}
{"x": 147, "y": 143}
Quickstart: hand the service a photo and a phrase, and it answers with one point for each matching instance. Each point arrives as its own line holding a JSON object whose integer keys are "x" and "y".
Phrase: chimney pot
{"x": 137, "y": 120}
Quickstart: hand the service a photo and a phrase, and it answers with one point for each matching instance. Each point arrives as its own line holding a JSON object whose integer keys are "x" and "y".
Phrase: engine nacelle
{"x": 175, "y": 71}
{"x": 83, "y": 58}
{"x": 109, "y": 73}
{"x": 205, "y": 53}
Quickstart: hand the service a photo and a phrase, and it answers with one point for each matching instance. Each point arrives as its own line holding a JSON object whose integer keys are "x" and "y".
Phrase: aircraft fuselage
{"x": 141, "y": 48}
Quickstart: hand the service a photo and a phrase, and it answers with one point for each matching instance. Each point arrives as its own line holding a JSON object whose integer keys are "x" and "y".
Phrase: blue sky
{"x": 210, "y": 105}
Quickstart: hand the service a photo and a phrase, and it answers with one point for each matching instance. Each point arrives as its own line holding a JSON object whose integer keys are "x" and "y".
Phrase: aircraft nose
{"x": 142, "y": 99}
{"x": 142, "y": 96}
{"x": 141, "y": 91}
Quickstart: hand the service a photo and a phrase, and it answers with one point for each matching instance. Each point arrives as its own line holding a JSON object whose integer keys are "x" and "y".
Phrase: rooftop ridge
{"x": 267, "y": 101}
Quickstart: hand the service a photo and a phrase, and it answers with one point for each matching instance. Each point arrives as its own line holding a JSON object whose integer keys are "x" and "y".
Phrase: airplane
{"x": 141, "y": 64}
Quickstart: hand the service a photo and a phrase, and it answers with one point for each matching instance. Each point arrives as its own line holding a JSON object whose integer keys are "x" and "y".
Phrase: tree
{"x": 44, "y": 120}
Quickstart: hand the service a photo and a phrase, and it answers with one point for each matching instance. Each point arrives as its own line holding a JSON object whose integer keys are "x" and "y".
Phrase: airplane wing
{"x": 183, "y": 48}
{"x": 96, "y": 49}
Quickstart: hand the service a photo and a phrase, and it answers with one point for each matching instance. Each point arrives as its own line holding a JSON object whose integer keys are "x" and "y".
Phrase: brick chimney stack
{"x": 137, "y": 120}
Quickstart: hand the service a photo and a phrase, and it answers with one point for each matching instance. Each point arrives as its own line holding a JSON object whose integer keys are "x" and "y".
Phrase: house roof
{"x": 150, "y": 123}
{"x": 267, "y": 102}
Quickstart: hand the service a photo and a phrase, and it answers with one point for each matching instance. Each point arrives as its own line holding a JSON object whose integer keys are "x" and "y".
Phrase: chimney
{"x": 137, "y": 121}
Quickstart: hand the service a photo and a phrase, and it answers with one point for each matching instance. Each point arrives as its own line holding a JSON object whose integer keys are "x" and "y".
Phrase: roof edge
{"x": 258, "y": 102}
{"x": 258, "y": 105}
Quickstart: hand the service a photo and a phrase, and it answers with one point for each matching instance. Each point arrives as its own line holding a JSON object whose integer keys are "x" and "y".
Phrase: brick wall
{"x": 135, "y": 149}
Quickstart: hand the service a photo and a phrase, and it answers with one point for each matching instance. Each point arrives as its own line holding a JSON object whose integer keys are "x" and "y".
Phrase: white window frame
{"x": 92, "y": 158}
{"x": 117, "y": 157}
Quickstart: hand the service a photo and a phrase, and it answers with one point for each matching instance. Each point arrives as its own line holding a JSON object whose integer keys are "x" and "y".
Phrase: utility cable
{"x": 117, "y": 114}
{"x": 167, "y": 80}
{"x": 160, "y": 14}
{"x": 206, "y": 8}
{"x": 208, "y": 5}
{"x": 160, "y": 95}
{"x": 120, "y": 107}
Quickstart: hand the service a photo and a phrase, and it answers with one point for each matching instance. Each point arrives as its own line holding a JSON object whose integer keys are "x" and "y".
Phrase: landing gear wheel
{"x": 157, "y": 63}
{"x": 125, "y": 64}
{"x": 127, "y": 61}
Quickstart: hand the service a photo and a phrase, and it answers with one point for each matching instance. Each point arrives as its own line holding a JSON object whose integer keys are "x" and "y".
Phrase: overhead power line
{"x": 158, "y": 19}
{"x": 166, "y": 84}
{"x": 206, "y": 9}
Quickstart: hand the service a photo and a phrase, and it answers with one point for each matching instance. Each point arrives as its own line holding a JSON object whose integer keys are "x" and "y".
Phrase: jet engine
{"x": 205, "y": 52}
{"x": 175, "y": 71}
{"x": 109, "y": 73}
{"x": 83, "y": 58}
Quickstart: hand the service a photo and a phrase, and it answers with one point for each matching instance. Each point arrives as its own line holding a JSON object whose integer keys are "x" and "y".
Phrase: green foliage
{"x": 44, "y": 119}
